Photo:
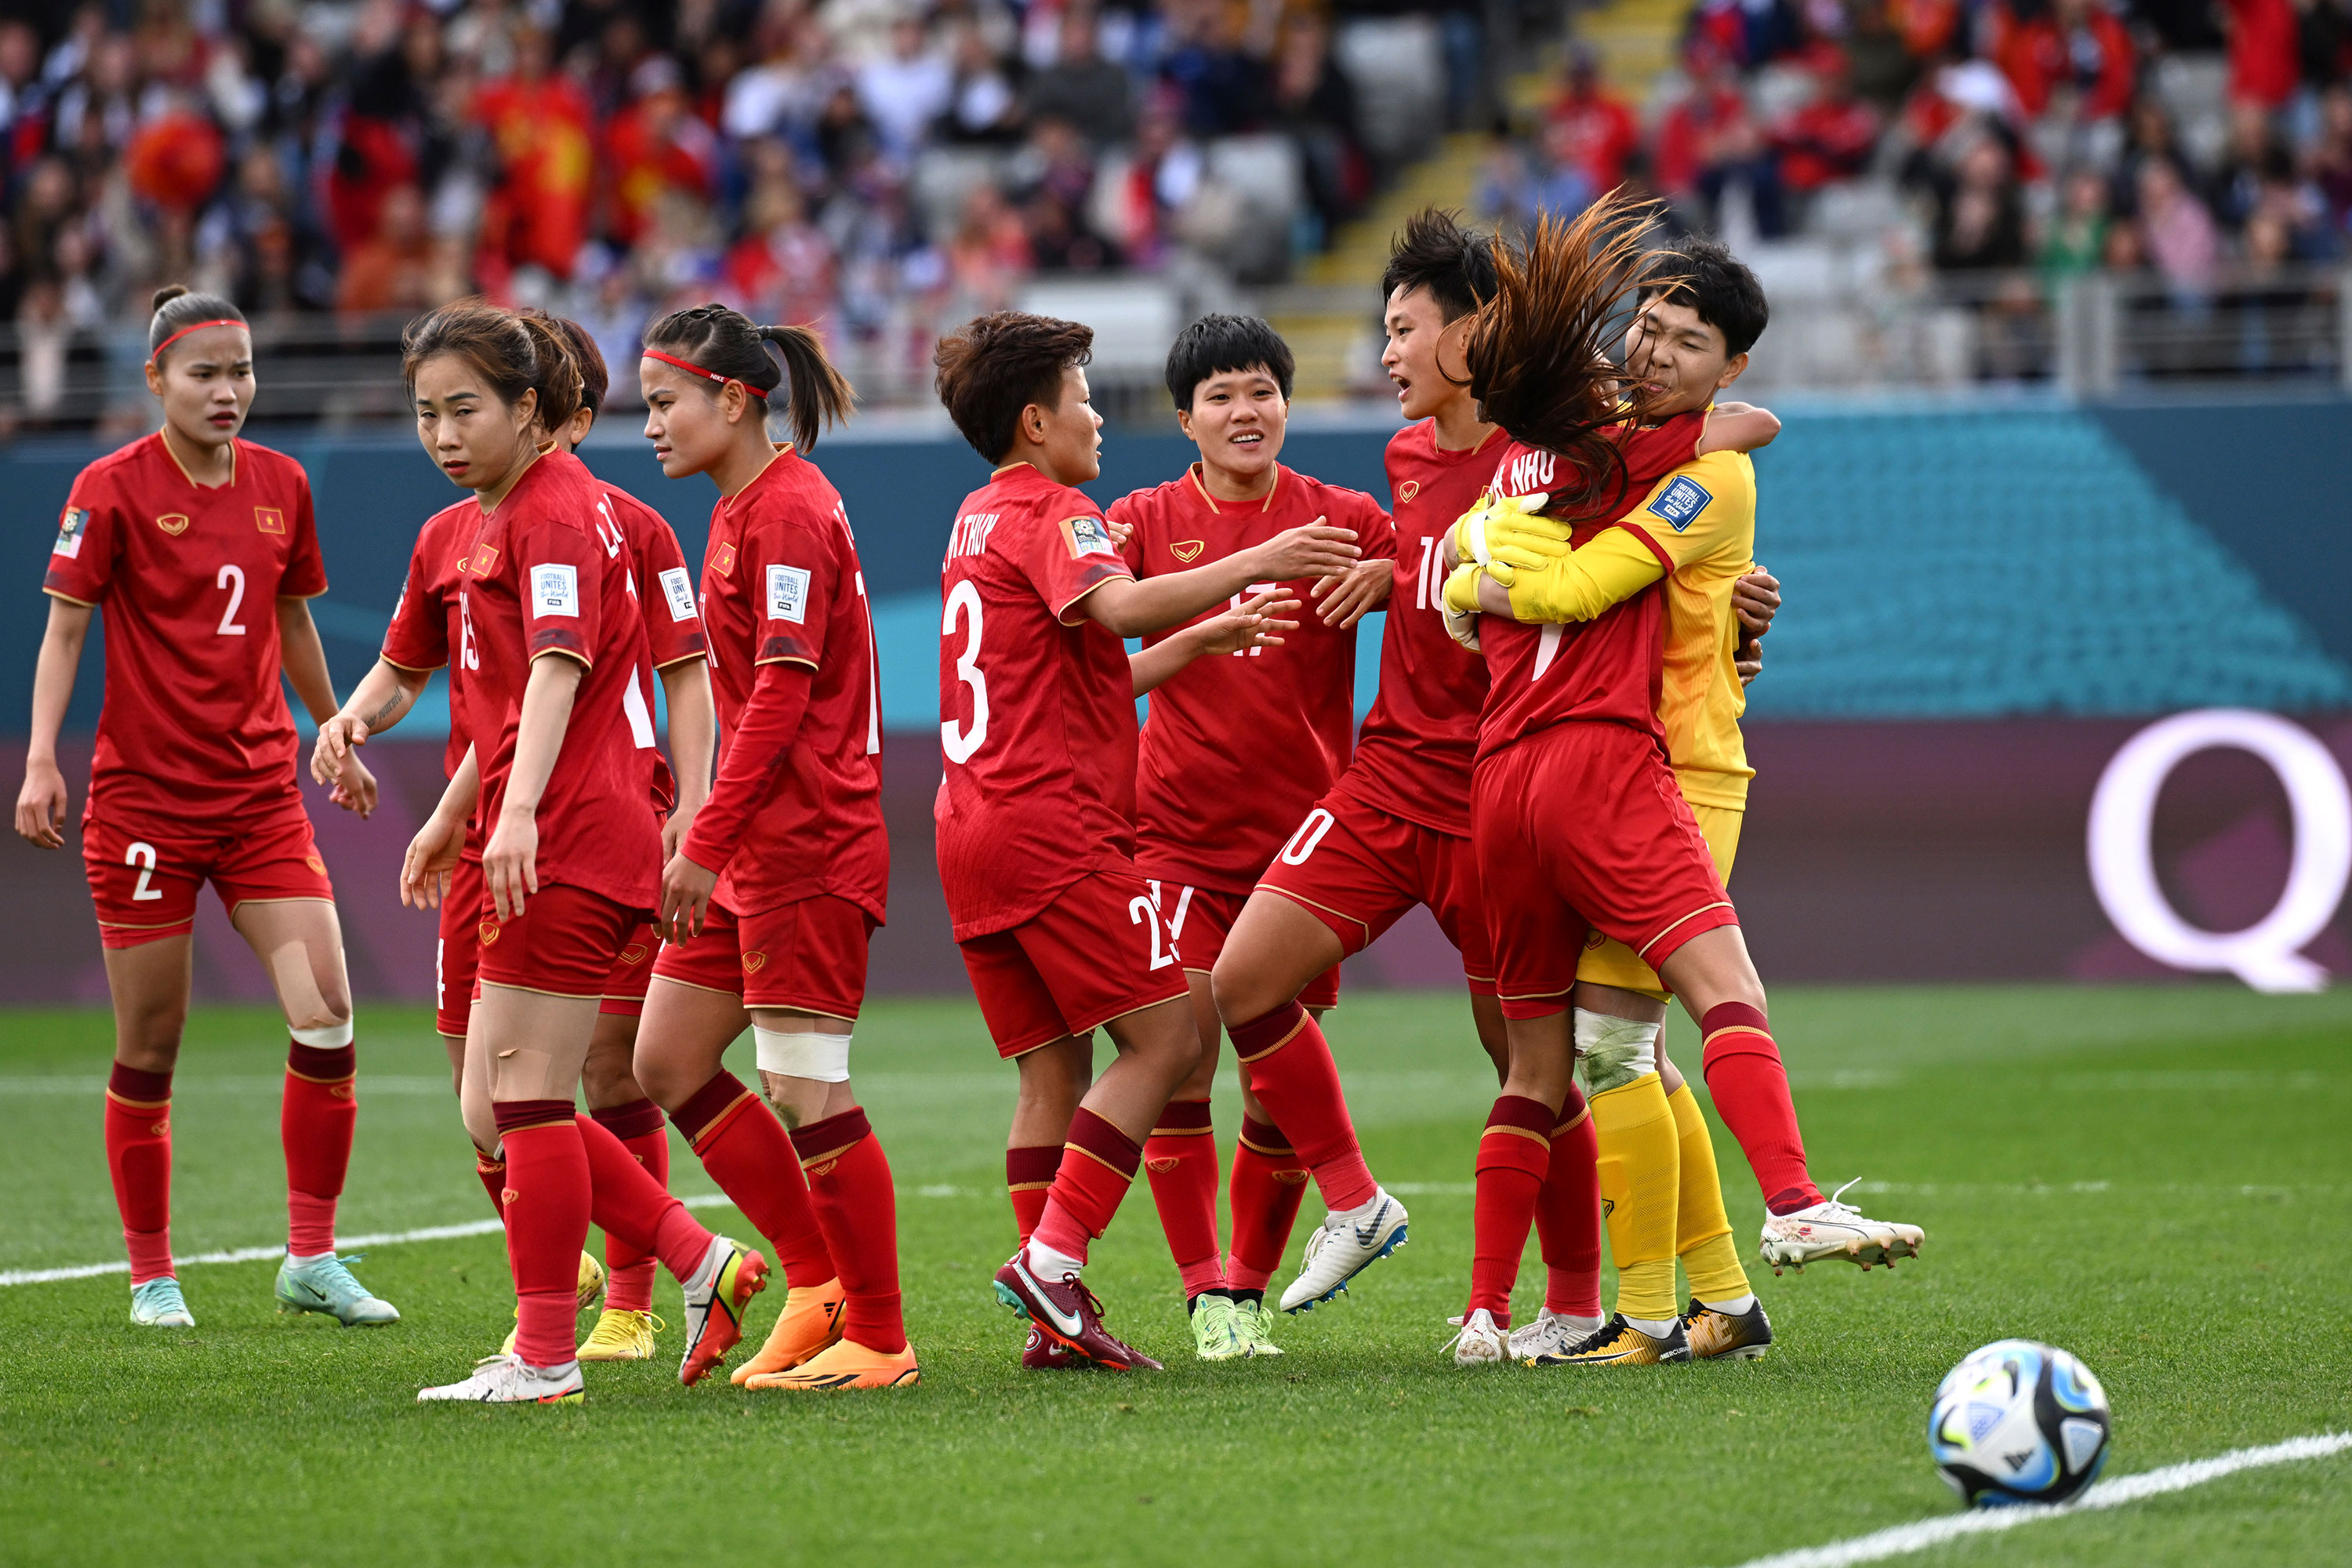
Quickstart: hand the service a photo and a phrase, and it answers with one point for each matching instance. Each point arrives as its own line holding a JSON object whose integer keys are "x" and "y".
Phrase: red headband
{"x": 694, "y": 369}
{"x": 156, "y": 354}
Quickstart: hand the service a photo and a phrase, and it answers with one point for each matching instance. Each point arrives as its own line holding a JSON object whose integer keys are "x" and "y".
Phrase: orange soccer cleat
{"x": 810, "y": 1322}
{"x": 848, "y": 1364}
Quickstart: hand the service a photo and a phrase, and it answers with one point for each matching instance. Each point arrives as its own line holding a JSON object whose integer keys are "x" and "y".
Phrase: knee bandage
{"x": 1613, "y": 1052}
{"x": 824, "y": 1058}
{"x": 331, "y": 1037}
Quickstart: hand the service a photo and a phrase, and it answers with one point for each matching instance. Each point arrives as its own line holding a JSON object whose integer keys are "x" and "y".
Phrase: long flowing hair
{"x": 1539, "y": 351}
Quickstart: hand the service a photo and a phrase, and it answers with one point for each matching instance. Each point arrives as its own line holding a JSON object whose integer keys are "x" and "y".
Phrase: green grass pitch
{"x": 2156, "y": 1178}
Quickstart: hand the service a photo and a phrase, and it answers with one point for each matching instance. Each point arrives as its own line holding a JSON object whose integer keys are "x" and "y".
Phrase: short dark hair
{"x": 1718, "y": 286}
{"x": 1456, "y": 265}
{"x": 1216, "y": 344}
{"x": 993, "y": 366}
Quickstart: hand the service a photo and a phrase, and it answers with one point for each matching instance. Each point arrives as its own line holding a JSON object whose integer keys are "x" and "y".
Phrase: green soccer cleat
{"x": 158, "y": 1304}
{"x": 324, "y": 1285}
{"x": 1257, "y": 1327}
{"x": 1216, "y": 1331}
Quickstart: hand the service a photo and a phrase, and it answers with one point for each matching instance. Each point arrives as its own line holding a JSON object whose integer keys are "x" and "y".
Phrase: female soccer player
{"x": 203, "y": 549}
{"x": 770, "y": 901}
{"x": 551, "y": 646}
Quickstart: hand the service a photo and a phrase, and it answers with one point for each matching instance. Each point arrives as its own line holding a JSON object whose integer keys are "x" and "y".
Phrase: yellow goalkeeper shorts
{"x": 1609, "y": 962}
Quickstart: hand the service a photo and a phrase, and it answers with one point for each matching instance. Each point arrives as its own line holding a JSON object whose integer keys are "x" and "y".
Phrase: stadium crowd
{"x": 877, "y": 166}
{"x": 2063, "y": 135}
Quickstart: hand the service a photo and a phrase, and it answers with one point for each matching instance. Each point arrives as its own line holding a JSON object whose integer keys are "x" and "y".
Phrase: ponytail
{"x": 720, "y": 346}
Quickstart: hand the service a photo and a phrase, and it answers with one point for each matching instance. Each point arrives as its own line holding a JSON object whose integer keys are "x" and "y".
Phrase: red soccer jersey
{"x": 1237, "y": 748}
{"x": 780, "y": 584}
{"x": 427, "y": 631}
{"x": 546, "y": 576}
{"x": 1608, "y": 668}
{"x": 663, "y": 590}
{"x": 1037, "y": 704}
{"x": 195, "y": 729}
{"x": 1413, "y": 756}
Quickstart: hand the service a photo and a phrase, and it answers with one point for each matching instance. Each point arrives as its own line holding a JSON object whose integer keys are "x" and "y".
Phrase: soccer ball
{"x": 2019, "y": 1421}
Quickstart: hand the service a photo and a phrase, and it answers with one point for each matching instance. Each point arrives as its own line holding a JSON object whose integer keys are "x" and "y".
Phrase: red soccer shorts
{"x": 1198, "y": 920}
{"x": 1098, "y": 951}
{"x": 1580, "y": 827}
{"x": 459, "y": 954}
{"x": 1358, "y": 869}
{"x": 564, "y": 943}
{"x": 807, "y": 956}
{"x": 145, "y": 883}
{"x": 632, "y": 971}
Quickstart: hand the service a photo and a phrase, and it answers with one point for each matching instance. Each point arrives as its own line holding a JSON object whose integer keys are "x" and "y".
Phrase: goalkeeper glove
{"x": 1507, "y": 534}
{"x": 1458, "y": 605}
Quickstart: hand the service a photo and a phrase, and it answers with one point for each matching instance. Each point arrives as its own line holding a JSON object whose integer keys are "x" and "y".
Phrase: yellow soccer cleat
{"x": 1717, "y": 1335}
{"x": 591, "y": 1281}
{"x": 621, "y": 1334}
{"x": 810, "y": 1322}
{"x": 845, "y": 1363}
{"x": 1620, "y": 1343}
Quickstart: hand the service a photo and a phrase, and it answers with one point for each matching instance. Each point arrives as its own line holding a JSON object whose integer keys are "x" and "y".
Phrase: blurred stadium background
{"x": 2060, "y": 334}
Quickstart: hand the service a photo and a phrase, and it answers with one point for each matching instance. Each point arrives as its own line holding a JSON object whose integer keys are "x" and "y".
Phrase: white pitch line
{"x": 1904, "y": 1539}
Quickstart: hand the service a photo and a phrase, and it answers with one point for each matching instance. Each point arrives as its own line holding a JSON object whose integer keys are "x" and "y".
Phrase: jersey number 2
{"x": 1141, "y": 911}
{"x": 231, "y": 577}
{"x": 957, "y": 742}
{"x": 143, "y": 857}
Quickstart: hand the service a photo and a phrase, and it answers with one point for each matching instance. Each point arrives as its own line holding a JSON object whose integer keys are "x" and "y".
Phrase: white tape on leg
{"x": 824, "y": 1058}
{"x": 333, "y": 1038}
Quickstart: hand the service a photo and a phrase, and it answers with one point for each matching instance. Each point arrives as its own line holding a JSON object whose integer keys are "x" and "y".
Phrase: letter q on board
{"x": 2267, "y": 954}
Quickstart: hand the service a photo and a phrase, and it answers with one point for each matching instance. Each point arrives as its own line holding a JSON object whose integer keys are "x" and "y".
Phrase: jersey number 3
{"x": 957, "y": 742}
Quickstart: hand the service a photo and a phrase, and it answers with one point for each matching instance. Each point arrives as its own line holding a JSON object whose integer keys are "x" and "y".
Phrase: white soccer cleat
{"x": 1553, "y": 1333}
{"x": 1481, "y": 1343}
{"x": 1832, "y": 1229}
{"x": 505, "y": 1380}
{"x": 158, "y": 1304}
{"x": 1343, "y": 1247}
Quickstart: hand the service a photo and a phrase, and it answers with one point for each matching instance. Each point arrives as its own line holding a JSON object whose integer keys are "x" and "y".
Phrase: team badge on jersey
{"x": 1407, "y": 491}
{"x": 1187, "y": 551}
{"x": 268, "y": 520}
{"x": 1087, "y": 536}
{"x": 678, "y": 589}
{"x": 788, "y": 589}
{"x": 71, "y": 527}
{"x": 555, "y": 590}
{"x": 1682, "y": 502}
{"x": 722, "y": 560}
{"x": 174, "y": 523}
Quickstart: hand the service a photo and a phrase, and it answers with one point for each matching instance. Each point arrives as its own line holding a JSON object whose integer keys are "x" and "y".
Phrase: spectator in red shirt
{"x": 1591, "y": 126}
{"x": 1829, "y": 139}
{"x": 539, "y": 120}
{"x": 1709, "y": 142}
{"x": 654, "y": 146}
{"x": 2077, "y": 43}
{"x": 2265, "y": 51}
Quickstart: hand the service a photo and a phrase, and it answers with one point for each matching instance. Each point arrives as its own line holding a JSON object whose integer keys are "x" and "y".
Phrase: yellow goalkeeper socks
{"x": 1641, "y": 1178}
{"x": 1703, "y": 1230}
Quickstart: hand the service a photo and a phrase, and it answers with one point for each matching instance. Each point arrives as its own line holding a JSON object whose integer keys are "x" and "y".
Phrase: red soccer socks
{"x": 1514, "y": 1155}
{"x": 629, "y": 1284}
{"x": 849, "y": 1180}
{"x": 315, "y": 1124}
{"x": 1266, "y": 1185}
{"x": 548, "y": 1202}
{"x": 747, "y": 1152}
{"x": 1568, "y": 1215}
{"x": 491, "y": 1170}
{"x": 139, "y": 1158}
{"x": 1097, "y": 1166}
{"x": 1289, "y": 1067}
{"x": 1750, "y": 1088}
{"x": 631, "y": 1206}
{"x": 1028, "y": 1177}
{"x": 1180, "y": 1156}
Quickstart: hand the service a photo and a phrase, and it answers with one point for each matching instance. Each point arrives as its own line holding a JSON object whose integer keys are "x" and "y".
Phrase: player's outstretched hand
{"x": 685, "y": 899}
{"x": 337, "y": 736}
{"x": 1120, "y": 532}
{"x": 41, "y": 805}
{"x": 1258, "y": 623}
{"x": 432, "y": 857}
{"x": 510, "y": 864}
{"x": 356, "y": 790}
{"x": 1507, "y": 534}
{"x": 1316, "y": 550}
{"x": 1756, "y": 599}
{"x": 1348, "y": 598}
